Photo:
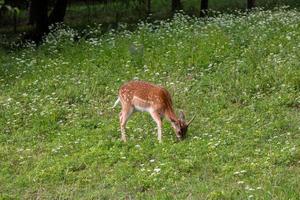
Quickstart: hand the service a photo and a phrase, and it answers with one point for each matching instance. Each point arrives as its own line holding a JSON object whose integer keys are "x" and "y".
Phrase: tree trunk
{"x": 176, "y": 5}
{"x": 15, "y": 21}
{"x": 203, "y": 8}
{"x": 148, "y": 7}
{"x": 251, "y": 4}
{"x": 31, "y": 17}
{"x": 38, "y": 16}
{"x": 58, "y": 13}
{"x": 39, "y": 12}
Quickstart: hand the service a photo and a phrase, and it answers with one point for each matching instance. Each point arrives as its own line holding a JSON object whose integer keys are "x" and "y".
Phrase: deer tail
{"x": 116, "y": 103}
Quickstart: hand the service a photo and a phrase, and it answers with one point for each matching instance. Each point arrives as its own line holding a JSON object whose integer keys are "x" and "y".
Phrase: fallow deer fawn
{"x": 143, "y": 96}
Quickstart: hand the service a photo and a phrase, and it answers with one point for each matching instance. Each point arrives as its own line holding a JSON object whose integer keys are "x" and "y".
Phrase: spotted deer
{"x": 156, "y": 100}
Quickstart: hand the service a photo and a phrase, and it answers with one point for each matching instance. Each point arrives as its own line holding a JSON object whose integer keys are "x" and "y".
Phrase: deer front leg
{"x": 157, "y": 118}
{"x": 124, "y": 116}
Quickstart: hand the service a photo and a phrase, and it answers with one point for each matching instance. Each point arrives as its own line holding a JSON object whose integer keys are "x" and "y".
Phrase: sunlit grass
{"x": 239, "y": 74}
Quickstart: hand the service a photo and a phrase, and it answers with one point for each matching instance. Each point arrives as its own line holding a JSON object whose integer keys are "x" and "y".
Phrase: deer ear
{"x": 182, "y": 116}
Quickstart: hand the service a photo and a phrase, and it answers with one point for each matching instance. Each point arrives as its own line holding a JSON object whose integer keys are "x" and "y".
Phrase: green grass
{"x": 60, "y": 139}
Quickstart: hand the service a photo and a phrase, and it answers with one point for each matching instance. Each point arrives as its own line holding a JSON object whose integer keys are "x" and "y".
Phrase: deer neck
{"x": 171, "y": 116}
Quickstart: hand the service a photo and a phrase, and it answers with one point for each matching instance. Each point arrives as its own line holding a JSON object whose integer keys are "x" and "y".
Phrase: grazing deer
{"x": 143, "y": 96}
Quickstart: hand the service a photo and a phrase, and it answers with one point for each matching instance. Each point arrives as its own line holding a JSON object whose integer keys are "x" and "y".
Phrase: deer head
{"x": 181, "y": 126}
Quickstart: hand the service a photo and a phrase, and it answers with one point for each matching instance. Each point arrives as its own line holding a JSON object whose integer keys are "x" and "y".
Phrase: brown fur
{"x": 144, "y": 96}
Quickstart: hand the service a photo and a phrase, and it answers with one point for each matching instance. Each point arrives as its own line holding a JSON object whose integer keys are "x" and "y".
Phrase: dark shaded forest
{"x": 34, "y": 17}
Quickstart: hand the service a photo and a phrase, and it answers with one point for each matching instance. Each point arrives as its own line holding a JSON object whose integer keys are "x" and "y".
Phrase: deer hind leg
{"x": 124, "y": 116}
{"x": 157, "y": 118}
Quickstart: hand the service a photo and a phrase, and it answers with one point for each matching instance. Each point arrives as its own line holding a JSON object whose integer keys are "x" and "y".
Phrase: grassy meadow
{"x": 240, "y": 74}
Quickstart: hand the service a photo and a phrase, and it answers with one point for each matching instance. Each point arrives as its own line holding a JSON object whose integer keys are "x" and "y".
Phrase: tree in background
{"x": 148, "y": 6}
{"x": 58, "y": 13}
{"x": 176, "y": 5}
{"x": 203, "y": 8}
{"x": 38, "y": 16}
{"x": 11, "y": 8}
{"x": 251, "y": 4}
